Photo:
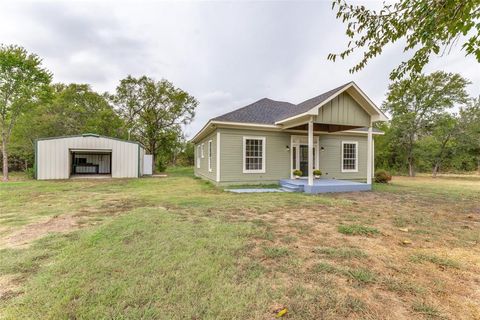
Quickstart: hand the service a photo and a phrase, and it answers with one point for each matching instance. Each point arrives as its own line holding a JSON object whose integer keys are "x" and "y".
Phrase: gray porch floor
{"x": 253, "y": 190}
{"x": 323, "y": 185}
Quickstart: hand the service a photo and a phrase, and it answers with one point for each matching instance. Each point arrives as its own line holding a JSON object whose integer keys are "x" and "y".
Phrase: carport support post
{"x": 310, "y": 152}
{"x": 369, "y": 155}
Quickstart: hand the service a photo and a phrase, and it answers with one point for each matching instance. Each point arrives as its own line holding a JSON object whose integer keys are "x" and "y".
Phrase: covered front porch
{"x": 342, "y": 114}
{"x": 306, "y": 153}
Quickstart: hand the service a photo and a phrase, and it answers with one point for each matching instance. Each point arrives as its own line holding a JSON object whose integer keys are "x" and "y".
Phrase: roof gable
{"x": 275, "y": 114}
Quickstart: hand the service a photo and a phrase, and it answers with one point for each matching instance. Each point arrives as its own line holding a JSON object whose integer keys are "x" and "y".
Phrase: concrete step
{"x": 286, "y": 189}
{"x": 291, "y": 187}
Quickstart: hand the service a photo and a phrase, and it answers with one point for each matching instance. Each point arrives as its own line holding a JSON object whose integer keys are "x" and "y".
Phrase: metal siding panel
{"x": 53, "y": 156}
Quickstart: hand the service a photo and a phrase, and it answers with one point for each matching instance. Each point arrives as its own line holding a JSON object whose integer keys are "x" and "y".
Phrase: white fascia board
{"x": 212, "y": 124}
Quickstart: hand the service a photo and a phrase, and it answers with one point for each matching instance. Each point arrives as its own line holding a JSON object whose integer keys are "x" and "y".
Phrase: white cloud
{"x": 226, "y": 54}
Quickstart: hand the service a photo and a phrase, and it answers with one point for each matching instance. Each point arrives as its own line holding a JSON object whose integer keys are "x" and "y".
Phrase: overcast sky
{"x": 225, "y": 54}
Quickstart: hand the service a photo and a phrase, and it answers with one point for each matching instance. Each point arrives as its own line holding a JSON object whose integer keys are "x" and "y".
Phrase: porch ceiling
{"x": 325, "y": 127}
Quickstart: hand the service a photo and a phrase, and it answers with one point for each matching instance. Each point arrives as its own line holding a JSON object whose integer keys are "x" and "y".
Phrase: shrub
{"x": 382, "y": 176}
{"x": 317, "y": 172}
{"x": 297, "y": 173}
{"x": 161, "y": 165}
{"x": 30, "y": 172}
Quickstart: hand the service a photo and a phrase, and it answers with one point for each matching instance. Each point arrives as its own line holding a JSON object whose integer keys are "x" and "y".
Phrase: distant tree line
{"x": 434, "y": 126}
{"x": 142, "y": 109}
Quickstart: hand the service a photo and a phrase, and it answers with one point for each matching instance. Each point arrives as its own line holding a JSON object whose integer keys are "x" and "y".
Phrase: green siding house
{"x": 267, "y": 140}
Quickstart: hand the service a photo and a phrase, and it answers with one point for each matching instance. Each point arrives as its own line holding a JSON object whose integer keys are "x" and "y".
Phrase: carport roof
{"x": 85, "y": 135}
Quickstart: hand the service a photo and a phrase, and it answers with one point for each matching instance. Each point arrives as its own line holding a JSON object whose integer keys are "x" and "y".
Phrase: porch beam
{"x": 369, "y": 155}
{"x": 310, "y": 152}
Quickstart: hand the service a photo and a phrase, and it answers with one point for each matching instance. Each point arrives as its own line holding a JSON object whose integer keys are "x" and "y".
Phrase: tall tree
{"x": 444, "y": 131}
{"x": 77, "y": 109}
{"x": 73, "y": 109}
{"x": 427, "y": 26}
{"x": 153, "y": 109}
{"x": 23, "y": 82}
{"x": 415, "y": 104}
{"x": 469, "y": 139}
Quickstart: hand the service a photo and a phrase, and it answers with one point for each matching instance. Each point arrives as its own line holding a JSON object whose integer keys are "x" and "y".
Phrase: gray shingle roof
{"x": 267, "y": 111}
{"x": 263, "y": 111}
{"x": 315, "y": 101}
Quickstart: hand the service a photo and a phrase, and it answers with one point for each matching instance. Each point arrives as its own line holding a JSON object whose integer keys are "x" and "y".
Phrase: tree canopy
{"x": 71, "y": 109}
{"x": 427, "y": 26}
{"x": 23, "y": 83}
{"x": 154, "y": 111}
{"x": 419, "y": 105}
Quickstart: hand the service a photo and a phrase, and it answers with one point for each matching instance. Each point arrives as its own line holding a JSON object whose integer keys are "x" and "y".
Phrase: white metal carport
{"x": 64, "y": 157}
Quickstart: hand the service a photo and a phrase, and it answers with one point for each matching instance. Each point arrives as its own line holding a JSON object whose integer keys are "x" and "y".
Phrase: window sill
{"x": 253, "y": 171}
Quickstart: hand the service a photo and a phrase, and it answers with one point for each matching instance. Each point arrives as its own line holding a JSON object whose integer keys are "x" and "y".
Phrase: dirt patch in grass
{"x": 25, "y": 236}
{"x": 9, "y": 286}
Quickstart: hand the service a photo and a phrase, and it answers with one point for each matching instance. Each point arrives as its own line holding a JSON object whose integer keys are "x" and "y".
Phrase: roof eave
{"x": 213, "y": 124}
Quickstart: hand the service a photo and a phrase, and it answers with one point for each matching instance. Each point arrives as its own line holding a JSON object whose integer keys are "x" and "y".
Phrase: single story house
{"x": 89, "y": 155}
{"x": 267, "y": 140}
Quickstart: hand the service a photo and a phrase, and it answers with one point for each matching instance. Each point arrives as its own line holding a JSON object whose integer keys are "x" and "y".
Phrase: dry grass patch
{"x": 399, "y": 252}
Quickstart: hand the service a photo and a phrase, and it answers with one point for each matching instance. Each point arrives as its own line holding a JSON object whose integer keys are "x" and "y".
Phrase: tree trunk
{"x": 435, "y": 169}
{"x": 411, "y": 169}
{"x": 411, "y": 166}
{"x": 5, "y": 158}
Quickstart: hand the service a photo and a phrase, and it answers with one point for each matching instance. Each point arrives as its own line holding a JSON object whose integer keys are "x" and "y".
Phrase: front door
{"x": 299, "y": 154}
{"x": 303, "y": 159}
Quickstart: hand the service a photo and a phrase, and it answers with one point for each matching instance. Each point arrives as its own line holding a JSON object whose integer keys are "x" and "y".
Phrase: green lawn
{"x": 179, "y": 248}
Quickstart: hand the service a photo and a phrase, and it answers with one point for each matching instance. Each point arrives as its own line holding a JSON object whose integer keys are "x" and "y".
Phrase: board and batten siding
{"x": 53, "y": 156}
{"x": 203, "y": 170}
{"x": 277, "y": 161}
{"x": 343, "y": 110}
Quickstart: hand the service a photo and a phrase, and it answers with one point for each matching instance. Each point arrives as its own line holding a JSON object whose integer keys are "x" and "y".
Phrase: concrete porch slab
{"x": 325, "y": 185}
{"x": 260, "y": 190}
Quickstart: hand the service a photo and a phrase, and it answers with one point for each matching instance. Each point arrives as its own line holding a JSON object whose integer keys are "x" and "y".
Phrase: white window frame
{"x": 264, "y": 154}
{"x": 356, "y": 156}
{"x": 202, "y": 150}
{"x": 198, "y": 157}
{"x": 209, "y": 154}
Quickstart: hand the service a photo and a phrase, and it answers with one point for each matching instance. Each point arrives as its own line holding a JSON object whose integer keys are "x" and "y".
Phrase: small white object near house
{"x": 147, "y": 164}
{"x": 88, "y": 155}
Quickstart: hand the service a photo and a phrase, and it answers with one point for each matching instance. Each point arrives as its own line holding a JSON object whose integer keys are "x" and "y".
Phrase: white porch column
{"x": 369, "y": 155}
{"x": 310, "y": 152}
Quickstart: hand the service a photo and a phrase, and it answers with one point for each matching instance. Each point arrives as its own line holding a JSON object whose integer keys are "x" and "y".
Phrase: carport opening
{"x": 91, "y": 163}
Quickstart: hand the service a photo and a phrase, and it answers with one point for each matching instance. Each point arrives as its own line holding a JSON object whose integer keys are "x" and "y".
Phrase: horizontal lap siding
{"x": 277, "y": 161}
{"x": 331, "y": 157}
{"x": 203, "y": 170}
